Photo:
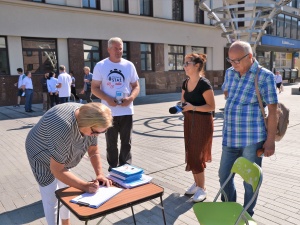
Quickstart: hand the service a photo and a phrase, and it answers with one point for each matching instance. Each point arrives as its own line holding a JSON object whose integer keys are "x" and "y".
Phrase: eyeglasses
{"x": 96, "y": 132}
{"x": 187, "y": 63}
{"x": 237, "y": 61}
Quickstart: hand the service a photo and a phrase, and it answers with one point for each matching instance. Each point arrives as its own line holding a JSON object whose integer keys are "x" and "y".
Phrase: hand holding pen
{"x": 92, "y": 186}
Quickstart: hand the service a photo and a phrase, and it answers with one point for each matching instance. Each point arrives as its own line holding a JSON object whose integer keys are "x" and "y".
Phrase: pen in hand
{"x": 93, "y": 186}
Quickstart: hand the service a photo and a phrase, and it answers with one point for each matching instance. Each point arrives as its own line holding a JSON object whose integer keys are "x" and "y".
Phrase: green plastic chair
{"x": 231, "y": 213}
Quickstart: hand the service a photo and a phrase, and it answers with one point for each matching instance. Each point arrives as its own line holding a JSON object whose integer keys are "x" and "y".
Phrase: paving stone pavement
{"x": 157, "y": 148}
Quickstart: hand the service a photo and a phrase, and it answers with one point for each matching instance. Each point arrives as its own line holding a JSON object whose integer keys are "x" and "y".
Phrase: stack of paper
{"x": 97, "y": 199}
{"x": 143, "y": 180}
{"x": 128, "y": 176}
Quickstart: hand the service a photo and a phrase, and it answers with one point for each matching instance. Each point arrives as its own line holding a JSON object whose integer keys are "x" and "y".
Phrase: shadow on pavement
{"x": 23, "y": 215}
{"x": 174, "y": 205}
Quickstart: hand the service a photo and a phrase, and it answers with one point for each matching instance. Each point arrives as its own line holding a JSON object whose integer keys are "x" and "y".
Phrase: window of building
{"x": 4, "y": 68}
{"x": 146, "y": 56}
{"x": 125, "y": 51}
{"x": 294, "y": 28}
{"x": 198, "y": 50}
{"x": 42, "y": 56}
{"x": 175, "y": 57}
{"x": 146, "y": 7}
{"x": 91, "y": 4}
{"x": 177, "y": 9}
{"x": 199, "y": 14}
{"x": 298, "y": 37}
{"x": 91, "y": 52}
{"x": 287, "y": 26}
{"x": 121, "y": 6}
{"x": 280, "y": 25}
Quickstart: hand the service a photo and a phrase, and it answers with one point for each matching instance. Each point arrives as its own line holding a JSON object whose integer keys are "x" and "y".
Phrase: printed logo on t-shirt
{"x": 115, "y": 79}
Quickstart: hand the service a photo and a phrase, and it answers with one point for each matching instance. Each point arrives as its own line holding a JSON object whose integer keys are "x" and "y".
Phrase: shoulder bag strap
{"x": 259, "y": 96}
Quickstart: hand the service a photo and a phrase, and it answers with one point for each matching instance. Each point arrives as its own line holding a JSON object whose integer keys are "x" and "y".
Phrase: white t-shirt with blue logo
{"x": 116, "y": 78}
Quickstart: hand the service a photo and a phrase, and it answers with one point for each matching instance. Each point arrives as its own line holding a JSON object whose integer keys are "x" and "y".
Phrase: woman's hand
{"x": 92, "y": 186}
{"x": 187, "y": 107}
{"x": 103, "y": 180}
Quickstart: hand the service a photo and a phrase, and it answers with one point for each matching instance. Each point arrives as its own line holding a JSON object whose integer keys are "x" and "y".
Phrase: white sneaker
{"x": 192, "y": 190}
{"x": 200, "y": 195}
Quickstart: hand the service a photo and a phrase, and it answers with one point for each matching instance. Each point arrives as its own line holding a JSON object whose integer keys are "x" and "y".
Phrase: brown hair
{"x": 198, "y": 58}
{"x": 94, "y": 114}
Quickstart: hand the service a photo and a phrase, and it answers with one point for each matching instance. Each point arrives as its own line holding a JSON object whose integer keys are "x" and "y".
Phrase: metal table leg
{"x": 163, "y": 210}
{"x": 57, "y": 217}
{"x": 133, "y": 215}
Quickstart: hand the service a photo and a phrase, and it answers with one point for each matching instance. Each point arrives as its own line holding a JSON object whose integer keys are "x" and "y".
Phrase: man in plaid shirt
{"x": 244, "y": 131}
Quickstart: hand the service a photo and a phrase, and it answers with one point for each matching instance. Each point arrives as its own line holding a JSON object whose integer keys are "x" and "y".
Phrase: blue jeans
{"x": 28, "y": 99}
{"x": 229, "y": 155}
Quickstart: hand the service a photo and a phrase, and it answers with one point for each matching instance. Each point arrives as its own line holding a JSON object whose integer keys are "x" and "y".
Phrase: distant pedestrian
{"x": 45, "y": 92}
{"x": 20, "y": 93}
{"x": 278, "y": 79}
{"x": 52, "y": 89}
{"x": 88, "y": 77}
{"x": 27, "y": 87}
{"x": 64, "y": 85}
{"x": 73, "y": 86}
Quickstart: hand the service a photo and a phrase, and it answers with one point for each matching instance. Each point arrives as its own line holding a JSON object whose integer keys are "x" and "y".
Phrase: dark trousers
{"x": 63, "y": 99}
{"x": 53, "y": 99}
{"x": 73, "y": 91}
{"x": 88, "y": 96}
{"x": 122, "y": 125}
{"x": 28, "y": 99}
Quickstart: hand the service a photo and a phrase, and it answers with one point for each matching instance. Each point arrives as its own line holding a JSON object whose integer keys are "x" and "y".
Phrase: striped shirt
{"x": 243, "y": 120}
{"x": 56, "y": 135}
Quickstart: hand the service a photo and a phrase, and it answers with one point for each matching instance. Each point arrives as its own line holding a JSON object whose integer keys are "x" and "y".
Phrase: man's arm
{"x": 95, "y": 159}
{"x": 96, "y": 90}
{"x": 269, "y": 145}
{"x": 59, "y": 85}
{"x": 134, "y": 93}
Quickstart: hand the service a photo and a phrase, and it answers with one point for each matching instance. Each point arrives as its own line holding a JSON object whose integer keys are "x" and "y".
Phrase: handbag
{"x": 282, "y": 113}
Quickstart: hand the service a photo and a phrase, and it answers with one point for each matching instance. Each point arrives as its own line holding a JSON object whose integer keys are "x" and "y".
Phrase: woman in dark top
{"x": 198, "y": 95}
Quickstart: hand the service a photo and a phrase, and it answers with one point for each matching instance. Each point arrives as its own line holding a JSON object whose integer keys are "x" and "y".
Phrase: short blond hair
{"x": 114, "y": 40}
{"x": 94, "y": 114}
{"x": 86, "y": 68}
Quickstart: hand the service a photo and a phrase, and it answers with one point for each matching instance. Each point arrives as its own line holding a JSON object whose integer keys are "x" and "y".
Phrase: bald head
{"x": 241, "y": 46}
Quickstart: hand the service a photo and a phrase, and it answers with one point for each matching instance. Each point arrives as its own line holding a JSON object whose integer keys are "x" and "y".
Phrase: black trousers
{"x": 53, "y": 99}
{"x": 88, "y": 96}
{"x": 121, "y": 125}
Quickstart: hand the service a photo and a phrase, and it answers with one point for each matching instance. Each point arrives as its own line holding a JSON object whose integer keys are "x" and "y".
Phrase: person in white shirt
{"x": 52, "y": 89}
{"x": 278, "y": 79}
{"x": 115, "y": 82}
{"x": 64, "y": 85}
{"x": 19, "y": 85}
{"x": 28, "y": 89}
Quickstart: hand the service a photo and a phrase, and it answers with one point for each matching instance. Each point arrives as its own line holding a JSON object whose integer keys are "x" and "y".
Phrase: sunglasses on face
{"x": 236, "y": 61}
{"x": 187, "y": 63}
{"x": 96, "y": 132}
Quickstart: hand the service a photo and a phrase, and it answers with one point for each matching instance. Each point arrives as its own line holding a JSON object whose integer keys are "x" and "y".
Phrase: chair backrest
{"x": 249, "y": 171}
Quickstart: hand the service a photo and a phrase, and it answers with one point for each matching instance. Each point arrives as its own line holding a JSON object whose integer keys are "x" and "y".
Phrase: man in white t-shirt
{"x": 64, "y": 85}
{"x": 115, "y": 82}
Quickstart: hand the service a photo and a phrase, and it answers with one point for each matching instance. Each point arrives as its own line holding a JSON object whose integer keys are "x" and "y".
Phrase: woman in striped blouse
{"x": 58, "y": 142}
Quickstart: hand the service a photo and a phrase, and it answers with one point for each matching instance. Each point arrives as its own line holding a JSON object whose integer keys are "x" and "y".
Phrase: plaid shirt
{"x": 243, "y": 120}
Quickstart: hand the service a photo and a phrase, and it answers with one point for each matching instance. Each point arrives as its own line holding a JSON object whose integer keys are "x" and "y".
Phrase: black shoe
{"x": 31, "y": 110}
{"x": 28, "y": 111}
